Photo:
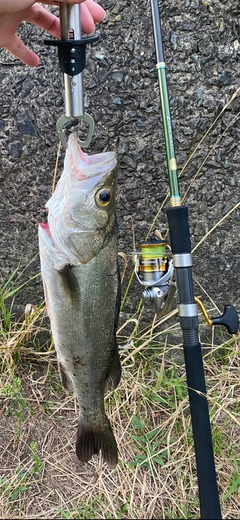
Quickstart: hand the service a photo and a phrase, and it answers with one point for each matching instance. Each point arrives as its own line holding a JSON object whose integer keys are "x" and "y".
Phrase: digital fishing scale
{"x": 161, "y": 268}
{"x": 72, "y": 60}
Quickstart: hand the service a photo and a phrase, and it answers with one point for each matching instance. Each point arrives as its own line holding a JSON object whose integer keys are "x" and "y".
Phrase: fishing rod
{"x": 162, "y": 270}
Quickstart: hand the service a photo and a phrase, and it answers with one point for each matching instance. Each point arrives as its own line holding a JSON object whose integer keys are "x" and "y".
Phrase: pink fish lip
{"x": 44, "y": 225}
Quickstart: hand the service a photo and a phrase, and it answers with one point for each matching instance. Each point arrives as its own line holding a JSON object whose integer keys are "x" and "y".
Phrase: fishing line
{"x": 56, "y": 167}
{"x": 216, "y": 225}
{"x": 209, "y": 153}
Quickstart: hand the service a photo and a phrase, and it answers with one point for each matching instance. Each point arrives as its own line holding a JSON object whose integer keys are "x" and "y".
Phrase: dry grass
{"x": 156, "y": 476}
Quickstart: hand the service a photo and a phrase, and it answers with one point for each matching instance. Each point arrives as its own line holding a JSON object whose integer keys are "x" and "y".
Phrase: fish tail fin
{"x": 90, "y": 440}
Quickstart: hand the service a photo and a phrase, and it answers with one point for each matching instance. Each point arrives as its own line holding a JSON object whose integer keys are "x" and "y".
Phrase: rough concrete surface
{"x": 202, "y": 48}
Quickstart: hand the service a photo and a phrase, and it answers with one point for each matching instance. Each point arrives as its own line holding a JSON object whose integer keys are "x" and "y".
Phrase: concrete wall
{"x": 202, "y": 48}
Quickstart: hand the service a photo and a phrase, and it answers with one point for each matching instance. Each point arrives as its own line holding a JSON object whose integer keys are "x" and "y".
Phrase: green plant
{"x": 38, "y": 464}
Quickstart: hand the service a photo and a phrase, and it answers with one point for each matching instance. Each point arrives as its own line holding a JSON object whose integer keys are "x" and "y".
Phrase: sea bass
{"x": 78, "y": 253}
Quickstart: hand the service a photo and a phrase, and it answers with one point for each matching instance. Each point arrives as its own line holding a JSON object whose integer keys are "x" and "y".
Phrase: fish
{"x": 81, "y": 281}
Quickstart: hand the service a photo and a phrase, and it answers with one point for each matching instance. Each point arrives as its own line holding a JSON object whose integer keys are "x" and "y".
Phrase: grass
{"x": 156, "y": 476}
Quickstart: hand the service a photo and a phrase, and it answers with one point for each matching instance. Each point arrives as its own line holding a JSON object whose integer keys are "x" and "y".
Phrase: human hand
{"x": 13, "y": 12}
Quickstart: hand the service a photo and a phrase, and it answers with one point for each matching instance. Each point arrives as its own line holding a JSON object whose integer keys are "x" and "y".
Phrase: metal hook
{"x": 66, "y": 119}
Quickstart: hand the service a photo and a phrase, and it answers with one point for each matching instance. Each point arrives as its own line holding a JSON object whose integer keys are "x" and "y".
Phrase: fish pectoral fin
{"x": 90, "y": 440}
{"x": 115, "y": 372}
{"x": 66, "y": 383}
{"x": 69, "y": 284}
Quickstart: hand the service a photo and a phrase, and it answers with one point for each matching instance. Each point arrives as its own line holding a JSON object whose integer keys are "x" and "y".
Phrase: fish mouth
{"x": 45, "y": 227}
{"x": 72, "y": 229}
{"x": 84, "y": 166}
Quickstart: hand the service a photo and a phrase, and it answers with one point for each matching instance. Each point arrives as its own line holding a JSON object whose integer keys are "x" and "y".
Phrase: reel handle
{"x": 229, "y": 319}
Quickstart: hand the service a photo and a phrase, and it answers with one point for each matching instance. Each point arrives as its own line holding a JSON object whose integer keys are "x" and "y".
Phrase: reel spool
{"x": 154, "y": 270}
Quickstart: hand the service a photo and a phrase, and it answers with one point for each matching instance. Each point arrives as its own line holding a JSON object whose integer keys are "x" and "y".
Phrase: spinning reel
{"x": 154, "y": 270}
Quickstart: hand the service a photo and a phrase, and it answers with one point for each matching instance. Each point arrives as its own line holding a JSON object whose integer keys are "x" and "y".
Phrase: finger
{"x": 96, "y": 10}
{"x": 18, "y": 49}
{"x": 90, "y": 12}
{"x": 44, "y": 19}
{"x": 7, "y": 6}
{"x": 87, "y": 23}
{"x": 56, "y": 2}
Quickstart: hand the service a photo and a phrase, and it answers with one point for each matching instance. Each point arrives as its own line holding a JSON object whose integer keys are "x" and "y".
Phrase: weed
{"x": 234, "y": 483}
{"x": 15, "y": 402}
{"x": 38, "y": 464}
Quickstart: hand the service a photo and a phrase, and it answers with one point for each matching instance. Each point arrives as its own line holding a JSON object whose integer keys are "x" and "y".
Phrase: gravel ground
{"x": 202, "y": 48}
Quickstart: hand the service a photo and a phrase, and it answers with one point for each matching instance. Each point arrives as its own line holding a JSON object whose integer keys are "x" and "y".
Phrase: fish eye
{"x": 104, "y": 197}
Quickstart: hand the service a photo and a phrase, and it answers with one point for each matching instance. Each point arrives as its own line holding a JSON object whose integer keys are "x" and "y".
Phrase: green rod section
{"x": 175, "y": 199}
{"x": 168, "y": 136}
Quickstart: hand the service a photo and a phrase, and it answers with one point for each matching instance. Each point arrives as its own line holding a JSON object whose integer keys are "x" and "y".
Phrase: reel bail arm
{"x": 72, "y": 58}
